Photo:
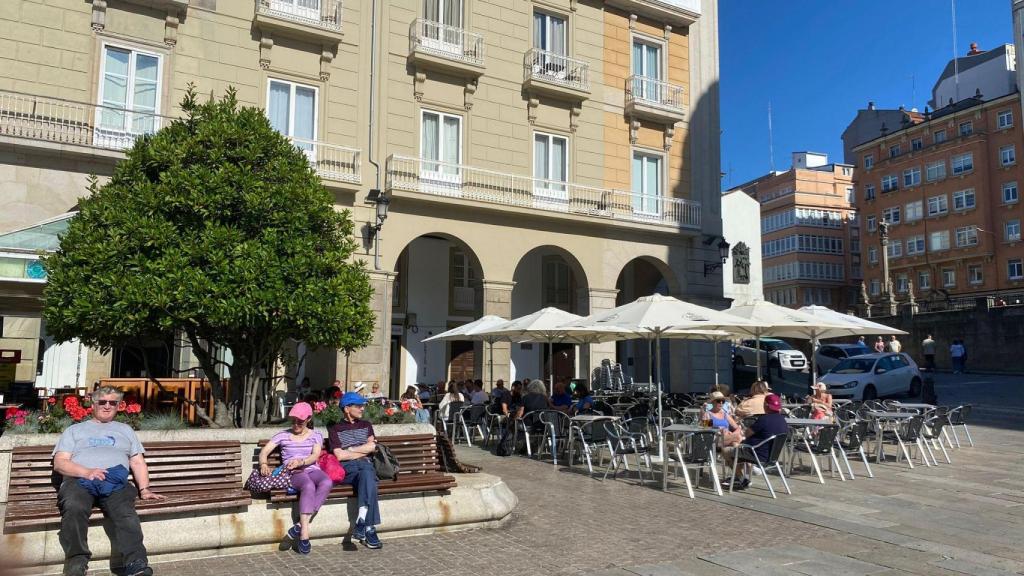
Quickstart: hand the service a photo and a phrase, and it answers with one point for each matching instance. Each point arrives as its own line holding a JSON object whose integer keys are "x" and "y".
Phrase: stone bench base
{"x": 479, "y": 500}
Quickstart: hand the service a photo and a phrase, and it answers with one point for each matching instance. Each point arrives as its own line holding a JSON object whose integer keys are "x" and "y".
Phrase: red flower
{"x": 389, "y": 411}
{"x": 133, "y": 408}
{"x": 51, "y": 400}
{"x": 121, "y": 406}
{"x": 70, "y": 401}
{"x": 11, "y": 412}
{"x": 406, "y": 406}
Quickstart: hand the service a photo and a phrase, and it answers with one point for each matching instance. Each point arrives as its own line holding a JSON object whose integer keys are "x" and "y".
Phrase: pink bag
{"x": 330, "y": 465}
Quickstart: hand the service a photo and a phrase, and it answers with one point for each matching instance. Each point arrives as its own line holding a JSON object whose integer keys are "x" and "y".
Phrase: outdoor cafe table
{"x": 801, "y": 424}
{"x": 577, "y": 422}
{"x": 882, "y": 420}
{"x": 915, "y": 406}
{"x": 673, "y": 430}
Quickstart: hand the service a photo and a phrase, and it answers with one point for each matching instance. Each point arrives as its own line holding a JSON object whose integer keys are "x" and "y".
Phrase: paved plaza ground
{"x": 964, "y": 518}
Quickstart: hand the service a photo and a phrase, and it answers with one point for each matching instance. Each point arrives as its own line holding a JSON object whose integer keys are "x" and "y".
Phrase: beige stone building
{"x": 533, "y": 153}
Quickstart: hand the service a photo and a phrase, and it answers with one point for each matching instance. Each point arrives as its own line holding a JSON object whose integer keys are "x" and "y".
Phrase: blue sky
{"x": 819, "y": 61}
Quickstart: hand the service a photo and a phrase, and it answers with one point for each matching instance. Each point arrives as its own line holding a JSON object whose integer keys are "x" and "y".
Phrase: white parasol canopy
{"x": 476, "y": 331}
{"x": 541, "y": 326}
{"x": 858, "y": 326}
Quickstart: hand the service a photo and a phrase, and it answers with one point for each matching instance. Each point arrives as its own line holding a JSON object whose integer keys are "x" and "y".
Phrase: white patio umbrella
{"x": 785, "y": 322}
{"x": 541, "y": 326}
{"x": 860, "y": 326}
{"x": 655, "y": 317}
{"x": 476, "y": 331}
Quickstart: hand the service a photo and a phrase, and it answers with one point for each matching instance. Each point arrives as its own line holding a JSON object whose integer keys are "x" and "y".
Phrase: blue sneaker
{"x": 303, "y": 547}
{"x": 359, "y": 532}
{"x": 371, "y": 540}
{"x": 295, "y": 531}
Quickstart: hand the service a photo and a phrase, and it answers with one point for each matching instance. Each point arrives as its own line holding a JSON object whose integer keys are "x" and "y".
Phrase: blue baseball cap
{"x": 352, "y": 398}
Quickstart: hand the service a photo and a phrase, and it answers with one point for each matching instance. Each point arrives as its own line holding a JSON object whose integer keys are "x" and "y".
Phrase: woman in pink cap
{"x": 300, "y": 450}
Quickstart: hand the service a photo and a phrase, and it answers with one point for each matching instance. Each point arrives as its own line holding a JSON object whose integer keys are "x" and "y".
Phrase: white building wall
{"x": 741, "y": 222}
{"x": 428, "y": 300}
{"x": 995, "y": 78}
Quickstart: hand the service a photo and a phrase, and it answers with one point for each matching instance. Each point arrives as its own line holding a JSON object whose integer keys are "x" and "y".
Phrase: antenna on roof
{"x": 956, "y": 64}
{"x": 771, "y": 146}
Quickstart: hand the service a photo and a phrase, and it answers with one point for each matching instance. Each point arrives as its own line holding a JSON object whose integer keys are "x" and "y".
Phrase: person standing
{"x": 894, "y": 345}
{"x": 879, "y": 344}
{"x": 860, "y": 342}
{"x": 928, "y": 349}
{"x": 353, "y": 441}
{"x": 94, "y": 457}
{"x": 956, "y": 353}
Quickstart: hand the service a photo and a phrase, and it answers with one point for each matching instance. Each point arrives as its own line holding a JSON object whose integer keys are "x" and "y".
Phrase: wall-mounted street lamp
{"x": 381, "y": 203}
{"x": 723, "y": 252}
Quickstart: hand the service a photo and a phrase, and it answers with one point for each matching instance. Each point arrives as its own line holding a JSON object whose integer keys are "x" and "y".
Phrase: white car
{"x": 873, "y": 376}
{"x": 775, "y": 354}
{"x": 828, "y": 355}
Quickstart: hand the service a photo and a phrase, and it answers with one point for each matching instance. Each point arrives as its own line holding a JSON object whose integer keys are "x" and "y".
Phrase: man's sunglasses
{"x": 107, "y": 402}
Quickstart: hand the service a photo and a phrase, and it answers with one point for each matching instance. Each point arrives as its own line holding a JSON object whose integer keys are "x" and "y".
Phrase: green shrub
{"x": 162, "y": 421}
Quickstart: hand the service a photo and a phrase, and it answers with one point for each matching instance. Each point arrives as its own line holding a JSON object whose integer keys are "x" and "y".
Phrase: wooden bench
{"x": 192, "y": 475}
{"x": 419, "y": 468}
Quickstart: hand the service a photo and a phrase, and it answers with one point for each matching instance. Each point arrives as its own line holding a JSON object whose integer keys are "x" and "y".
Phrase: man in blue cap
{"x": 352, "y": 442}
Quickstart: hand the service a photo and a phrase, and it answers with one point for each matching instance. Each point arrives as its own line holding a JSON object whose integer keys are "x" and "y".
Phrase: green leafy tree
{"x": 216, "y": 228}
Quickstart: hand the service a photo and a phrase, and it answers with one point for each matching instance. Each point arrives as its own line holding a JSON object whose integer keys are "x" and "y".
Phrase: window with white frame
{"x": 890, "y": 182}
{"x": 447, "y": 12}
{"x": 966, "y": 236}
{"x": 1015, "y": 269}
{"x": 935, "y": 170}
{"x": 895, "y": 248}
{"x": 292, "y": 110}
{"x": 975, "y": 275}
{"x": 1004, "y": 119}
{"x": 938, "y": 205}
{"x": 872, "y": 255}
{"x": 916, "y": 144}
{"x": 894, "y": 150}
{"x": 463, "y": 277}
{"x": 869, "y": 191}
{"x": 869, "y": 161}
{"x": 872, "y": 223}
{"x": 962, "y": 163}
{"x": 912, "y": 176}
{"x": 939, "y": 137}
{"x": 1010, "y": 194}
{"x": 939, "y": 241}
{"x": 648, "y": 170}
{"x": 647, "y": 70}
{"x": 891, "y": 215}
{"x": 851, "y": 197}
{"x": 550, "y": 164}
{"x": 915, "y": 245}
{"x": 914, "y": 210}
{"x": 966, "y": 128}
{"x": 924, "y": 280}
{"x": 949, "y": 277}
{"x": 847, "y": 170}
{"x": 441, "y": 147}
{"x": 1011, "y": 230}
{"x": 549, "y": 33}
{"x": 556, "y": 279}
{"x": 875, "y": 287}
{"x": 129, "y": 90}
{"x": 902, "y": 283}
{"x": 1007, "y": 155}
{"x": 963, "y": 199}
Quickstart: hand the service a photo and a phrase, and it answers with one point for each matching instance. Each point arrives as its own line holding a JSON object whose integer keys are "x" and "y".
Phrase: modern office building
{"x": 810, "y": 245}
{"x": 533, "y": 153}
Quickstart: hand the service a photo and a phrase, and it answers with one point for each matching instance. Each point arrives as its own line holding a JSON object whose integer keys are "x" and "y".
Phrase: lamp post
{"x": 883, "y": 234}
{"x": 381, "y": 203}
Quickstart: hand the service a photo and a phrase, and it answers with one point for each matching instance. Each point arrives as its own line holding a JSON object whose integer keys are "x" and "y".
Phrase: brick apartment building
{"x": 946, "y": 183}
{"x": 810, "y": 245}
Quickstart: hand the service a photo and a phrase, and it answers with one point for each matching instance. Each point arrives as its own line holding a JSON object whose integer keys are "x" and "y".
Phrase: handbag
{"x": 329, "y": 464}
{"x": 385, "y": 464}
{"x": 257, "y": 483}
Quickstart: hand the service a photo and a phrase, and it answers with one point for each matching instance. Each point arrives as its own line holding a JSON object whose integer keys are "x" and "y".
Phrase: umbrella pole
{"x": 757, "y": 354}
{"x": 490, "y": 347}
{"x": 661, "y": 432}
{"x": 715, "y": 343}
{"x": 551, "y": 367}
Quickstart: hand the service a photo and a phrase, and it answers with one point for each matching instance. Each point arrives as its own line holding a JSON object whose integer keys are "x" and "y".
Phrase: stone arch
{"x": 649, "y": 275}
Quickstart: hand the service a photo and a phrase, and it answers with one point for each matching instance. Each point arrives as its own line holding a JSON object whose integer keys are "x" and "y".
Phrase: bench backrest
{"x": 416, "y": 453}
{"x": 174, "y": 467}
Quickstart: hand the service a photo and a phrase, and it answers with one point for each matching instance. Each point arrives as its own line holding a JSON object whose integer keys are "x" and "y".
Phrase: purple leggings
{"x": 313, "y": 485}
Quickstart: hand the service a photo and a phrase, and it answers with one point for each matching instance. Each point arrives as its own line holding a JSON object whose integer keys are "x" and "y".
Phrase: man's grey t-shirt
{"x": 96, "y": 445}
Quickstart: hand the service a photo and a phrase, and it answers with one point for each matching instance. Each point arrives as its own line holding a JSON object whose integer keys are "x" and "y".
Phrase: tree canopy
{"x": 218, "y": 228}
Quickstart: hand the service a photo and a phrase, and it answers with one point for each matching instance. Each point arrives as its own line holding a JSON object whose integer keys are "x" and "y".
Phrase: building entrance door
{"x": 461, "y": 364}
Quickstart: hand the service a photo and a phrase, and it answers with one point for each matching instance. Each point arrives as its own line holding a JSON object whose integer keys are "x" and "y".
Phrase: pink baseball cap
{"x": 772, "y": 403}
{"x": 302, "y": 411}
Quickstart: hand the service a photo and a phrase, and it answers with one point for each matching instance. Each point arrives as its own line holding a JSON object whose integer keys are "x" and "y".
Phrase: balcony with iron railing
{"x": 556, "y": 74}
{"x": 445, "y": 47}
{"x": 318, "y": 20}
{"x": 85, "y": 128}
{"x": 652, "y": 99}
{"x": 467, "y": 184}
{"x": 674, "y": 12}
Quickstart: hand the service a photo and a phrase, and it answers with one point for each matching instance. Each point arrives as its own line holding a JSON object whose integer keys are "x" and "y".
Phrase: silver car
{"x": 871, "y": 376}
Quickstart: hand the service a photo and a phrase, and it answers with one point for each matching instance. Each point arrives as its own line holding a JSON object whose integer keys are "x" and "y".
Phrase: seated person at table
{"x": 731, "y": 432}
{"x": 584, "y": 401}
{"x": 821, "y": 402}
{"x": 499, "y": 392}
{"x": 754, "y": 405}
{"x": 771, "y": 423}
{"x": 511, "y": 402}
{"x": 478, "y": 397}
{"x": 560, "y": 399}
{"x": 375, "y": 393}
{"x": 535, "y": 400}
{"x": 412, "y": 397}
{"x": 453, "y": 395}
{"x": 724, "y": 391}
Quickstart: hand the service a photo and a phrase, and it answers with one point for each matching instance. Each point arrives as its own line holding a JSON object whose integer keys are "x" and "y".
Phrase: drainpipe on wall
{"x": 373, "y": 119}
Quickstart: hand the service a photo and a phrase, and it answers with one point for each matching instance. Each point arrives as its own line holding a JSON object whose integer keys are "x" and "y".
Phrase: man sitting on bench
{"x": 94, "y": 457}
{"x": 353, "y": 442}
